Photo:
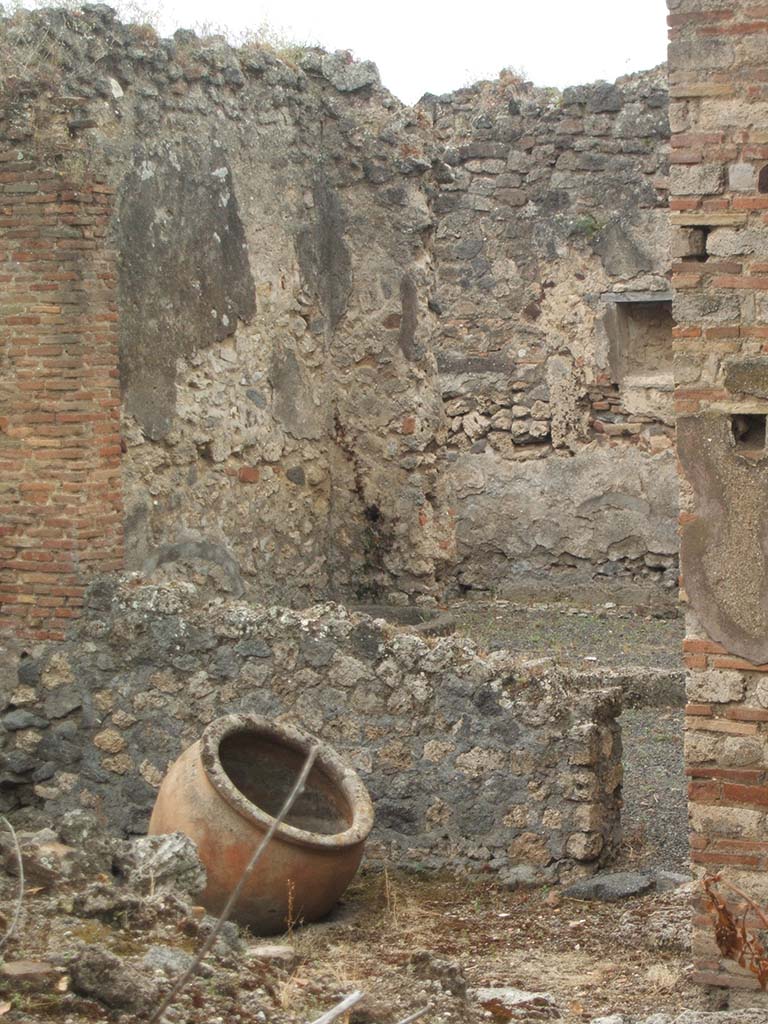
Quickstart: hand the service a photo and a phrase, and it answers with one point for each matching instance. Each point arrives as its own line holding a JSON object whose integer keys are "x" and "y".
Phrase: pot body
{"x": 298, "y": 877}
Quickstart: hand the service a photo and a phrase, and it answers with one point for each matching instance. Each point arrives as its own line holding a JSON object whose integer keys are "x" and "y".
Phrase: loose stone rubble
{"x": 102, "y": 943}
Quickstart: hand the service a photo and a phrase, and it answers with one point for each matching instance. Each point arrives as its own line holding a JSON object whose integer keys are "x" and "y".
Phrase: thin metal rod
{"x": 415, "y": 1016}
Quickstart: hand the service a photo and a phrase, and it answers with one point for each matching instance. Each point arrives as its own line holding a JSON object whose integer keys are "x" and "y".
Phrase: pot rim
{"x": 328, "y": 761}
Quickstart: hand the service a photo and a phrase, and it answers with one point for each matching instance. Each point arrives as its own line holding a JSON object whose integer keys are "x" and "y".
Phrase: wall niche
{"x": 639, "y": 328}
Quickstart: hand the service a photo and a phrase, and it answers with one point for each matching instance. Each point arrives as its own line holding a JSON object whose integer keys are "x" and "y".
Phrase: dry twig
{"x": 732, "y": 938}
{"x": 336, "y": 1011}
{"x": 415, "y": 1016}
{"x": 20, "y": 896}
{"x": 157, "y": 1016}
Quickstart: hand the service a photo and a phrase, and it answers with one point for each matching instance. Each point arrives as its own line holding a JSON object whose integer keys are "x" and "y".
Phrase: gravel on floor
{"x": 655, "y": 812}
{"x": 603, "y": 636}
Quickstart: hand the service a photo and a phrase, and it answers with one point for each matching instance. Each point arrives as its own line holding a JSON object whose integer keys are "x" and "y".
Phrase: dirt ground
{"x": 590, "y": 959}
{"x": 654, "y": 791}
{"x": 410, "y": 941}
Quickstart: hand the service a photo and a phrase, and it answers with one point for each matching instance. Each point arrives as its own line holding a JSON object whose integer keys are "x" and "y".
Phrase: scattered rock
{"x": 699, "y": 1017}
{"x": 515, "y": 1004}
{"x": 277, "y": 955}
{"x": 44, "y": 858}
{"x": 666, "y": 925}
{"x": 449, "y": 974}
{"x": 29, "y": 975}
{"x": 105, "y": 902}
{"x": 668, "y": 881}
{"x": 85, "y": 833}
{"x": 610, "y": 886}
{"x": 228, "y": 941}
{"x": 162, "y": 863}
{"x": 99, "y": 973}
{"x": 172, "y": 962}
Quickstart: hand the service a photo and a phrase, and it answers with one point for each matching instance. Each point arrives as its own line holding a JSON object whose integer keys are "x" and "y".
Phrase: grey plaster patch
{"x": 295, "y": 404}
{"x": 186, "y": 551}
{"x": 323, "y": 254}
{"x": 725, "y": 547}
{"x": 409, "y": 319}
{"x": 623, "y": 254}
{"x": 184, "y": 273}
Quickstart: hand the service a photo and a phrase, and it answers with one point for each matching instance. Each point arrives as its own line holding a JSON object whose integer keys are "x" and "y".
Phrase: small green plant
{"x": 585, "y": 226}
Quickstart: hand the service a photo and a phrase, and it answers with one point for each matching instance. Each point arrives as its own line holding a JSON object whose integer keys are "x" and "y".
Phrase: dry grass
{"x": 581, "y": 953}
{"x": 525, "y": 939}
{"x": 33, "y": 56}
{"x": 264, "y": 37}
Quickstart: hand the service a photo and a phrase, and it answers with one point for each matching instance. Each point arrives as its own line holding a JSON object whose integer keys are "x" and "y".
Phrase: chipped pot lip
{"x": 328, "y": 761}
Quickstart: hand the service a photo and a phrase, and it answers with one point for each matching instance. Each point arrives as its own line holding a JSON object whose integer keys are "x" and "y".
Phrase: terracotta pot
{"x": 223, "y": 792}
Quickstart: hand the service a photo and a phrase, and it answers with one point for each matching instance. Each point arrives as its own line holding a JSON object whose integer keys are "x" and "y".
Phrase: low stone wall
{"x": 471, "y": 759}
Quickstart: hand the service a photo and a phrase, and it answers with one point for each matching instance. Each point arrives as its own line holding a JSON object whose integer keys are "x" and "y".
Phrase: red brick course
{"x": 61, "y": 507}
{"x": 717, "y": 60}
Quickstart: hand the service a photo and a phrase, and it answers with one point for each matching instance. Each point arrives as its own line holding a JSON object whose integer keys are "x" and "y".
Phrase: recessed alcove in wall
{"x": 639, "y": 328}
{"x": 748, "y": 430}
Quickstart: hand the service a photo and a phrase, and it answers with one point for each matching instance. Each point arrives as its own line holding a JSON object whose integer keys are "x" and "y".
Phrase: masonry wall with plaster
{"x": 291, "y": 340}
{"x": 719, "y": 117}
{"x": 347, "y": 330}
{"x": 553, "y": 343}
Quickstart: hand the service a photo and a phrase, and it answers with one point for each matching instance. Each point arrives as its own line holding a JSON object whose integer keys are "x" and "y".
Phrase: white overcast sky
{"x": 428, "y": 46}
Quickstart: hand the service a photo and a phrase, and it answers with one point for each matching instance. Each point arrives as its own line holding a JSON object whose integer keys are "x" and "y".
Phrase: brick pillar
{"x": 60, "y": 489}
{"x": 719, "y": 201}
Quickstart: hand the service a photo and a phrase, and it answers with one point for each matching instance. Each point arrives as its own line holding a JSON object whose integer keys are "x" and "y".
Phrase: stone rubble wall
{"x": 346, "y": 328}
{"x": 719, "y": 117}
{"x": 472, "y": 760}
{"x": 280, "y": 412}
{"x": 550, "y": 208}
{"x": 300, "y": 447}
